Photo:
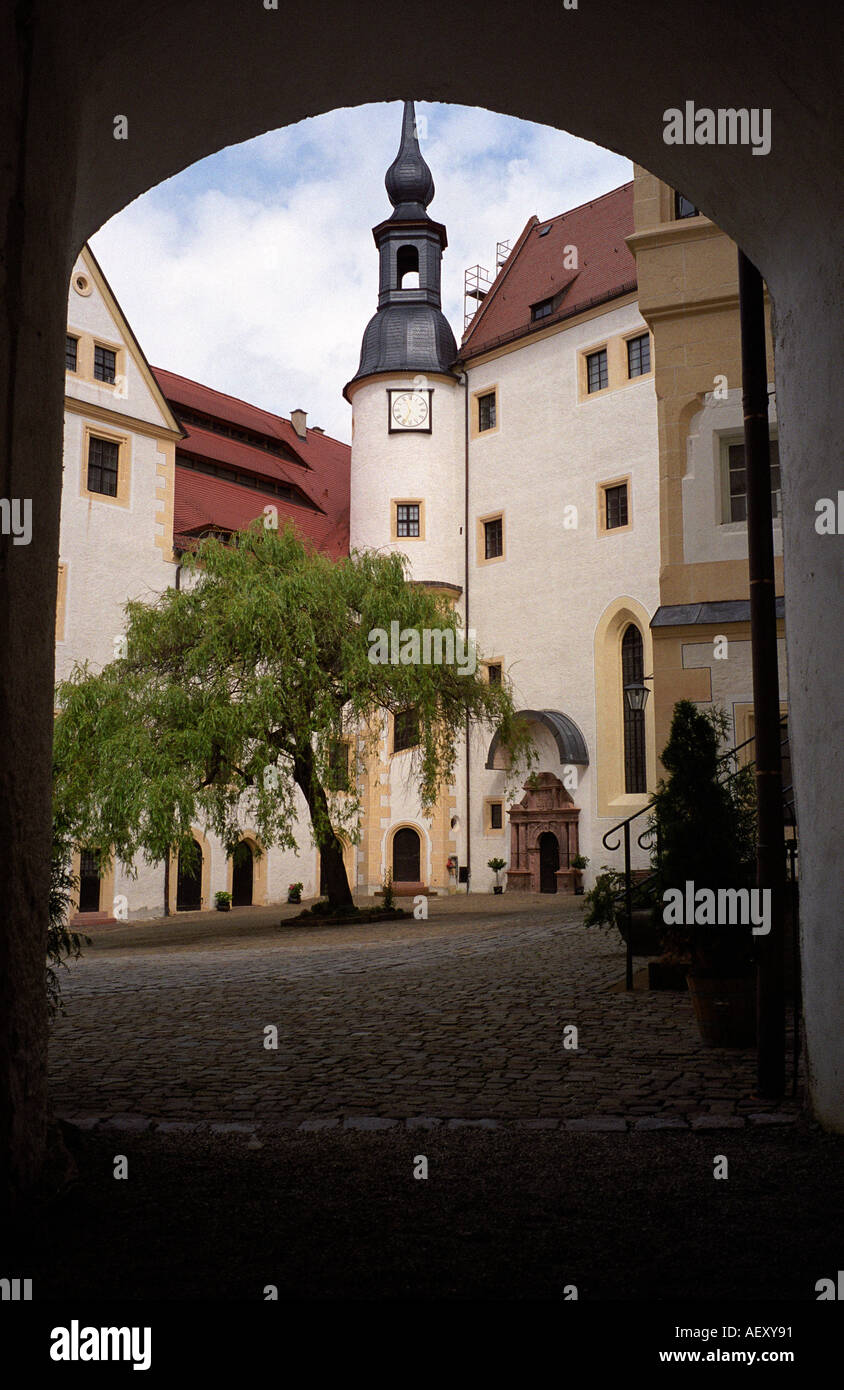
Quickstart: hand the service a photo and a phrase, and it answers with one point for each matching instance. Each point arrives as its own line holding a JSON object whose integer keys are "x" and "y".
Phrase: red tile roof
{"x": 535, "y": 271}
{"x": 318, "y": 466}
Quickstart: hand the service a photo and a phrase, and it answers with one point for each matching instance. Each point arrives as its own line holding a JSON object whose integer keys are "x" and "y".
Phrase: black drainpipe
{"x": 770, "y": 855}
{"x": 466, "y": 610}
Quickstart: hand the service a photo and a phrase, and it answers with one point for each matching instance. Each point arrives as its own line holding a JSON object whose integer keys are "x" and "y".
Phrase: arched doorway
{"x": 549, "y": 862}
{"x": 243, "y": 873}
{"x": 189, "y": 886}
{"x": 406, "y": 856}
{"x": 89, "y": 881}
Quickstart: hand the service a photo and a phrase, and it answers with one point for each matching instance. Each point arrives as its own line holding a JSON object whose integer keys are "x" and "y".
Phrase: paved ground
{"x": 443, "y": 1039}
{"x": 460, "y": 1018}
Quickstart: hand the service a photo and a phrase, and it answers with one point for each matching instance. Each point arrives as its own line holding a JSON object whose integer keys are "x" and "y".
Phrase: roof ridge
{"x": 239, "y": 400}
{"x": 588, "y": 203}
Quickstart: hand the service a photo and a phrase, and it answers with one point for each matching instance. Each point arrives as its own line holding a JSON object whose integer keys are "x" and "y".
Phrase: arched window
{"x": 632, "y": 669}
{"x": 407, "y": 267}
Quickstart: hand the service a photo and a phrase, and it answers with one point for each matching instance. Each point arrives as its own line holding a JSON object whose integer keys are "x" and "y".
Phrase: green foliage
{"x": 387, "y": 889}
{"x": 704, "y": 817}
{"x": 222, "y": 897}
{"x": 604, "y": 898}
{"x": 580, "y": 861}
{"x": 496, "y": 864}
{"x": 236, "y": 689}
{"x": 62, "y": 943}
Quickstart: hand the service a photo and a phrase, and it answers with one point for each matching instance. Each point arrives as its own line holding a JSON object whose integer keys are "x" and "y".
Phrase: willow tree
{"x": 232, "y": 692}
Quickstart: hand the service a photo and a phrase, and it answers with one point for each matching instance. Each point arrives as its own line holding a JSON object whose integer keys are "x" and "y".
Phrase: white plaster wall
{"x": 410, "y": 465}
{"x": 109, "y": 550}
{"x": 705, "y": 536}
{"x": 732, "y": 677}
{"x": 90, "y": 314}
{"x": 539, "y": 607}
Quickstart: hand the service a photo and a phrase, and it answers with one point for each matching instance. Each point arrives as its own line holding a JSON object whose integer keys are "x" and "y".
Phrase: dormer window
{"x": 542, "y": 309}
{"x": 407, "y": 267}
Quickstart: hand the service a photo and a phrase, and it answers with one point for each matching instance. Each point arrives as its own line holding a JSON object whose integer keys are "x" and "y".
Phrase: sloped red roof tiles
{"x": 318, "y": 466}
{"x": 535, "y": 270}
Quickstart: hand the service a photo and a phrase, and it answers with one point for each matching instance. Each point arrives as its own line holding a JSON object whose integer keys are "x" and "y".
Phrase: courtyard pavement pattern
{"x": 456, "y": 1021}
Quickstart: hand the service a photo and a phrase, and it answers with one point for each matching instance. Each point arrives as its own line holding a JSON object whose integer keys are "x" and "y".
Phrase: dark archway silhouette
{"x": 66, "y": 174}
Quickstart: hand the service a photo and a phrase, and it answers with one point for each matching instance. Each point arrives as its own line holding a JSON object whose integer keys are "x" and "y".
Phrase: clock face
{"x": 410, "y": 410}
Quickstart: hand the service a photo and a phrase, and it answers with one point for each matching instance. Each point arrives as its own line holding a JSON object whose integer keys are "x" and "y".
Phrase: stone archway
{"x": 546, "y": 810}
{"x": 66, "y": 174}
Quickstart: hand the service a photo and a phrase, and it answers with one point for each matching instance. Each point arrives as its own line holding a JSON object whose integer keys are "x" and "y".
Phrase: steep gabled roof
{"x": 316, "y": 468}
{"x": 536, "y": 271}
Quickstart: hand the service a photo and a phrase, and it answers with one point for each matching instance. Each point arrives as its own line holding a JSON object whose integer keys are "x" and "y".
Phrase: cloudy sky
{"x": 255, "y": 271}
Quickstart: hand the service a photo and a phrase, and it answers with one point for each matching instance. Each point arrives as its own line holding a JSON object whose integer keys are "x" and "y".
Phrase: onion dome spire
{"x": 409, "y": 182}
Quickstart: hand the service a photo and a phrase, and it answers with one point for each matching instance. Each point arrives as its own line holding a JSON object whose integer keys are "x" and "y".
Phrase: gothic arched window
{"x": 633, "y": 670}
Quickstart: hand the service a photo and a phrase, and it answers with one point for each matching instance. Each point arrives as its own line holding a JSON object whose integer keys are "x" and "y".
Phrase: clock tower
{"x": 407, "y": 472}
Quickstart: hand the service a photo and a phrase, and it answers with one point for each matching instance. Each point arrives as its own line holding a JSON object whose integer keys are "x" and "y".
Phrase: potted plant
{"x": 497, "y": 865}
{"x": 705, "y": 821}
{"x": 294, "y": 892}
{"x": 579, "y": 863}
{"x": 387, "y": 890}
{"x": 605, "y": 907}
{"x": 223, "y": 901}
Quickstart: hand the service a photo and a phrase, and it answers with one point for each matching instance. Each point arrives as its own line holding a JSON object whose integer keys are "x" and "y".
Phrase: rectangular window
{"x": 405, "y": 729}
{"x": 493, "y": 538}
{"x": 597, "y": 373}
{"x": 407, "y": 518}
{"x": 496, "y": 815}
{"x": 542, "y": 309}
{"x": 338, "y": 766}
{"x": 615, "y": 504}
{"x": 105, "y": 364}
{"x": 103, "y": 456}
{"x": 683, "y": 207}
{"x": 71, "y": 346}
{"x": 639, "y": 355}
{"x": 737, "y": 482}
{"x": 494, "y": 673}
{"x": 486, "y": 412}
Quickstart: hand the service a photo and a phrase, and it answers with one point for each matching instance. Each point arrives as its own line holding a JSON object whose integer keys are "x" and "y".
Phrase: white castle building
{"x": 519, "y": 472}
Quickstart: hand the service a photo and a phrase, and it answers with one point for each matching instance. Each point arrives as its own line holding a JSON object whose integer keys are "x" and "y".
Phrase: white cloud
{"x": 255, "y": 271}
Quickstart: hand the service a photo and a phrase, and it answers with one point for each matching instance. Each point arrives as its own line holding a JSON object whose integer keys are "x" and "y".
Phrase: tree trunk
{"x": 330, "y": 848}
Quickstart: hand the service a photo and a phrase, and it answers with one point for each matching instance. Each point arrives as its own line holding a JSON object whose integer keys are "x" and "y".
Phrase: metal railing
{"x": 643, "y": 888}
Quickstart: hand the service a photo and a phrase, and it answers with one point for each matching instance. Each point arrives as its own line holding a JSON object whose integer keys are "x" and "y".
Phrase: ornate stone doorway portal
{"x": 543, "y": 838}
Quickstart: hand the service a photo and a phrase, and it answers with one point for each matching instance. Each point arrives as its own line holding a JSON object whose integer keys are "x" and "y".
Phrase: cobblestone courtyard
{"x": 458, "y": 1018}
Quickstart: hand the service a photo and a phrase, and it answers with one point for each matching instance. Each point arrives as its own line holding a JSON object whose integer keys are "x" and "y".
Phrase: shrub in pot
{"x": 579, "y": 863}
{"x": 496, "y": 865}
{"x": 223, "y": 901}
{"x": 706, "y": 840}
{"x": 294, "y": 892}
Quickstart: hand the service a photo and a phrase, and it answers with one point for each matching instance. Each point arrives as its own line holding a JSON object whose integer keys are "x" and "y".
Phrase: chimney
{"x": 299, "y": 421}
